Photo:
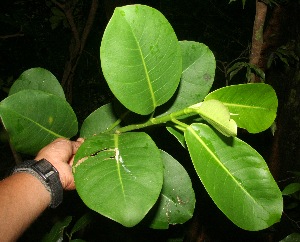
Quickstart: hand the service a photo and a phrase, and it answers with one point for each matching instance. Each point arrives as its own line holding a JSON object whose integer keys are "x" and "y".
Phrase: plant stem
{"x": 115, "y": 124}
{"x": 179, "y": 125}
{"x": 160, "y": 120}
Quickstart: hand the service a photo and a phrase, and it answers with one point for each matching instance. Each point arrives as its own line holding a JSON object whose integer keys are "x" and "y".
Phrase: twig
{"x": 77, "y": 44}
{"x": 11, "y": 36}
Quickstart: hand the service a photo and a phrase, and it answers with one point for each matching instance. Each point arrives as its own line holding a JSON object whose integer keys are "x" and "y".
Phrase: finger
{"x": 76, "y": 144}
{"x": 71, "y": 161}
{"x": 80, "y": 140}
{"x": 61, "y": 140}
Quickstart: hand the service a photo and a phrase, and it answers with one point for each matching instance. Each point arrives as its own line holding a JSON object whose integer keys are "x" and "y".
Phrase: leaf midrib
{"x": 245, "y": 106}
{"x": 37, "y": 124}
{"x": 145, "y": 68}
{"x": 223, "y": 167}
{"x": 116, "y": 144}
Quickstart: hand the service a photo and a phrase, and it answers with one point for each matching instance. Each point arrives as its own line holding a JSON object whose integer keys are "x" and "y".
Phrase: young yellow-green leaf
{"x": 236, "y": 177}
{"x": 140, "y": 58}
{"x": 215, "y": 113}
{"x": 119, "y": 175}
{"x": 253, "y": 106}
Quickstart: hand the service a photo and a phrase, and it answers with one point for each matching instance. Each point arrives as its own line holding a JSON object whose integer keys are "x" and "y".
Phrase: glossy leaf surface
{"x": 140, "y": 58}
{"x": 99, "y": 121}
{"x": 198, "y": 71}
{"x": 253, "y": 106}
{"x": 34, "y": 118}
{"x": 38, "y": 79}
{"x": 177, "y": 200}
{"x": 119, "y": 175}
{"x": 236, "y": 177}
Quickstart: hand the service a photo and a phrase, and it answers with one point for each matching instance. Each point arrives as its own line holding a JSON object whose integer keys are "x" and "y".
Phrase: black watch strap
{"x": 47, "y": 174}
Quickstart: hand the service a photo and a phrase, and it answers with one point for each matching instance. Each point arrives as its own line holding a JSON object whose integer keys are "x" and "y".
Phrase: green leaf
{"x": 140, "y": 58}
{"x": 119, "y": 175}
{"x": 82, "y": 222}
{"x": 38, "y": 79}
{"x": 259, "y": 72}
{"x": 294, "y": 237}
{"x": 215, "y": 113}
{"x": 291, "y": 188}
{"x": 56, "y": 233}
{"x": 101, "y": 120}
{"x": 235, "y": 68}
{"x": 236, "y": 177}
{"x": 243, "y": 1}
{"x": 57, "y": 12}
{"x": 198, "y": 71}
{"x": 34, "y": 118}
{"x": 175, "y": 205}
{"x": 178, "y": 135}
{"x": 252, "y": 106}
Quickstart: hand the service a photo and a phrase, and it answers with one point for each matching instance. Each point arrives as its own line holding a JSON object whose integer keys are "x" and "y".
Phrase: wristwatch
{"x": 47, "y": 174}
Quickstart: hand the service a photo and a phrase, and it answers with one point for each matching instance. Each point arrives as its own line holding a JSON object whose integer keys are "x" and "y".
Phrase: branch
{"x": 77, "y": 43}
{"x": 11, "y": 35}
{"x": 89, "y": 23}
{"x": 60, "y": 5}
{"x": 257, "y": 36}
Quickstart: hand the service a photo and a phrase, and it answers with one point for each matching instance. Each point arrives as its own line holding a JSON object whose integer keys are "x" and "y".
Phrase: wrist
{"x": 47, "y": 175}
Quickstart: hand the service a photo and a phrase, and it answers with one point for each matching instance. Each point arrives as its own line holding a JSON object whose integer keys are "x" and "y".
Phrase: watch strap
{"x": 47, "y": 174}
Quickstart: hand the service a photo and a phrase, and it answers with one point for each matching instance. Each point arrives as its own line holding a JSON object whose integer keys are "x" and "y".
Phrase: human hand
{"x": 60, "y": 153}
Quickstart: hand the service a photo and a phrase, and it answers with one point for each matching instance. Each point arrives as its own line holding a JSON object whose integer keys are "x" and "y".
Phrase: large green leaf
{"x": 101, "y": 120}
{"x": 119, "y": 175}
{"x": 140, "y": 58}
{"x": 34, "y": 118}
{"x": 236, "y": 177}
{"x": 37, "y": 79}
{"x": 198, "y": 71}
{"x": 177, "y": 200}
{"x": 253, "y": 106}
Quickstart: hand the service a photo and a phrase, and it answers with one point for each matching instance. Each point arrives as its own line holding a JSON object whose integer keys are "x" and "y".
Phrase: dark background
{"x": 28, "y": 40}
